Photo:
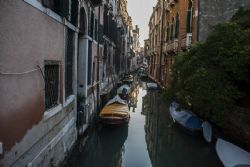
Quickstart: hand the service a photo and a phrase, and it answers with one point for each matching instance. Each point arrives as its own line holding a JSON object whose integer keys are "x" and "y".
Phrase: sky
{"x": 140, "y": 11}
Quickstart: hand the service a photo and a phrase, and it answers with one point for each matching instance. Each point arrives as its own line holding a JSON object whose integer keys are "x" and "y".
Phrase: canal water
{"x": 150, "y": 139}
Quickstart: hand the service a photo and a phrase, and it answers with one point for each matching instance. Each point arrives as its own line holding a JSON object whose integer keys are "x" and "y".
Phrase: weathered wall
{"x": 215, "y": 11}
{"x": 27, "y": 38}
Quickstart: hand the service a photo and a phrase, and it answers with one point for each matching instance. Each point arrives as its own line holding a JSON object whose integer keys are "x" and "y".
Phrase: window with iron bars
{"x": 51, "y": 73}
{"x": 69, "y": 63}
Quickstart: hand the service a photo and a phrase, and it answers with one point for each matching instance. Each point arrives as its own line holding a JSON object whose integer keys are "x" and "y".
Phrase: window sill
{"x": 69, "y": 100}
{"x": 51, "y": 112}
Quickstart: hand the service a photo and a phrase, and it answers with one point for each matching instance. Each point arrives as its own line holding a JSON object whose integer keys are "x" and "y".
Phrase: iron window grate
{"x": 51, "y": 85}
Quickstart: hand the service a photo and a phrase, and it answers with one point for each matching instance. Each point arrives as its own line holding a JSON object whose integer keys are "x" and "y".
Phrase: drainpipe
{"x": 161, "y": 46}
{"x": 98, "y": 61}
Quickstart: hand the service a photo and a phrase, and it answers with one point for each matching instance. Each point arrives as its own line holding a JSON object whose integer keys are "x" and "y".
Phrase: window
{"x": 65, "y": 8}
{"x": 89, "y": 63}
{"x": 92, "y": 24}
{"x": 176, "y": 26}
{"x": 95, "y": 29}
{"x": 69, "y": 63}
{"x": 82, "y": 21}
{"x": 168, "y": 32}
{"x": 189, "y": 17}
{"x": 74, "y": 12}
{"x": 171, "y": 31}
{"x": 51, "y": 73}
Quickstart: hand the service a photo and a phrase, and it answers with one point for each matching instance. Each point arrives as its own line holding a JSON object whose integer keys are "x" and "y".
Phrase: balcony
{"x": 186, "y": 41}
{"x": 173, "y": 46}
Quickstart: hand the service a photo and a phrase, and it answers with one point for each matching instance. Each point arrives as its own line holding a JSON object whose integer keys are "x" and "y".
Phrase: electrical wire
{"x": 21, "y": 73}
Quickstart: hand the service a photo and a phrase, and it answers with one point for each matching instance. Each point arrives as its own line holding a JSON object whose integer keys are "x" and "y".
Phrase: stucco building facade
{"x": 175, "y": 25}
{"x": 55, "y": 60}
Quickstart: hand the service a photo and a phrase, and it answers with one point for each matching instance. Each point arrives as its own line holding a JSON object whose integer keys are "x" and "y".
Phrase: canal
{"x": 150, "y": 139}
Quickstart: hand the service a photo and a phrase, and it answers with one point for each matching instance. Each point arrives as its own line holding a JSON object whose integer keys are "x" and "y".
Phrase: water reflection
{"x": 150, "y": 139}
{"x": 169, "y": 145}
{"x": 105, "y": 148}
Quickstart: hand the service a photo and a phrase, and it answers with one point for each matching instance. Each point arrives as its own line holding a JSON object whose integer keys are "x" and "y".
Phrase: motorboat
{"x": 123, "y": 91}
{"x": 116, "y": 111}
{"x": 128, "y": 79}
{"x": 152, "y": 86}
{"x": 232, "y": 155}
{"x": 185, "y": 118}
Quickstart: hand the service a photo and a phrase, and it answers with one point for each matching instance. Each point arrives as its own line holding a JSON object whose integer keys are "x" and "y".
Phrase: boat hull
{"x": 185, "y": 119}
{"x": 116, "y": 111}
{"x": 114, "y": 121}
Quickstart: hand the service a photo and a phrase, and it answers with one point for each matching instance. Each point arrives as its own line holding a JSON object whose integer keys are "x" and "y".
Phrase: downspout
{"x": 161, "y": 47}
{"x": 98, "y": 60}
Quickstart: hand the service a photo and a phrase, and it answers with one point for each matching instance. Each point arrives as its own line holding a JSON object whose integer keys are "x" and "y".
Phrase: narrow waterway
{"x": 150, "y": 139}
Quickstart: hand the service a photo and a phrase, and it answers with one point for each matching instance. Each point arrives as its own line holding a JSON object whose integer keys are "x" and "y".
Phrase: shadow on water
{"x": 169, "y": 145}
{"x": 104, "y": 148}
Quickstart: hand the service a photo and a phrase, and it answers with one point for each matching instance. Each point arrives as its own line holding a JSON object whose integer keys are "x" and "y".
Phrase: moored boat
{"x": 116, "y": 111}
{"x": 123, "y": 91}
{"x": 128, "y": 79}
{"x": 185, "y": 118}
{"x": 152, "y": 86}
{"x": 232, "y": 155}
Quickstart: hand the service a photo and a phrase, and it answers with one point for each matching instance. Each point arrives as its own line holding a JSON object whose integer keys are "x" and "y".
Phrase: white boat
{"x": 185, "y": 118}
{"x": 152, "y": 86}
{"x": 207, "y": 131}
{"x": 232, "y": 155}
{"x": 121, "y": 88}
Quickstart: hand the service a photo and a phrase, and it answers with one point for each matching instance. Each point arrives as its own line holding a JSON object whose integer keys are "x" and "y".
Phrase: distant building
{"x": 136, "y": 41}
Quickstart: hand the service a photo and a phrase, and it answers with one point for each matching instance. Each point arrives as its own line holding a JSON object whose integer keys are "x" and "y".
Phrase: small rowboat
{"x": 116, "y": 111}
{"x": 185, "y": 118}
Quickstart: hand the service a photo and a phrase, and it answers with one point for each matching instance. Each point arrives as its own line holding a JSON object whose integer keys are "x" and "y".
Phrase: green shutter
{"x": 177, "y": 27}
{"x": 171, "y": 31}
{"x": 167, "y": 34}
{"x": 189, "y": 24}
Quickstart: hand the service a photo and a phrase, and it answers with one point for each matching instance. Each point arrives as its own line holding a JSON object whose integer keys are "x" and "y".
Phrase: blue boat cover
{"x": 193, "y": 123}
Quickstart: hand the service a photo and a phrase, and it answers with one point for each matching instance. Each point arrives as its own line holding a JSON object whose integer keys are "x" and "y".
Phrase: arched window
{"x": 177, "y": 26}
{"x": 189, "y": 16}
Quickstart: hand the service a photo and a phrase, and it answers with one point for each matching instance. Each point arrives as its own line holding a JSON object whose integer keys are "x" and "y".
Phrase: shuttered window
{"x": 189, "y": 17}
{"x": 177, "y": 22}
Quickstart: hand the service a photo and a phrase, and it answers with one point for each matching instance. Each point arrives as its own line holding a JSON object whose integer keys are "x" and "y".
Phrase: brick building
{"x": 175, "y": 25}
